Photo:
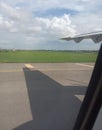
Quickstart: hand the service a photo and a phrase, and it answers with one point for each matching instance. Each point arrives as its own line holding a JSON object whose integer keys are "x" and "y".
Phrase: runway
{"x": 42, "y": 96}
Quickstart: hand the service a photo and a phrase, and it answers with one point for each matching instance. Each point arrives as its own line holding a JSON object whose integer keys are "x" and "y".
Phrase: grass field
{"x": 46, "y": 56}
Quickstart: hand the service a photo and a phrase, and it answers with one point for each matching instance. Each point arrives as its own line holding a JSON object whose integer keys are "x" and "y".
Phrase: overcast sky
{"x": 39, "y": 24}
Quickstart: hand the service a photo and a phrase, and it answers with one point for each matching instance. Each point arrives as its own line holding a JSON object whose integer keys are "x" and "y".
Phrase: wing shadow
{"x": 53, "y": 106}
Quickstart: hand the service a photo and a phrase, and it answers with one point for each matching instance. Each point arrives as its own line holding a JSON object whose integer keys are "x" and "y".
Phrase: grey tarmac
{"x": 42, "y": 96}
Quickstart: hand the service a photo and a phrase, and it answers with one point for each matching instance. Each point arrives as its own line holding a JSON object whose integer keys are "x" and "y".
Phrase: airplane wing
{"x": 95, "y": 36}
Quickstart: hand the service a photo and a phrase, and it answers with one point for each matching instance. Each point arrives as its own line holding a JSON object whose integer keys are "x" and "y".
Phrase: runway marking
{"x": 85, "y": 65}
{"x": 80, "y": 97}
{"x": 29, "y": 66}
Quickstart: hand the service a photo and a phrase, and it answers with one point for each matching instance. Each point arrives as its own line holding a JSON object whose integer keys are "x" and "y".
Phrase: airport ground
{"x": 42, "y": 96}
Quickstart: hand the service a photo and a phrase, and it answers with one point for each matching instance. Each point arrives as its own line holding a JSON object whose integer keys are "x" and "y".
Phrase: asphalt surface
{"x": 42, "y": 96}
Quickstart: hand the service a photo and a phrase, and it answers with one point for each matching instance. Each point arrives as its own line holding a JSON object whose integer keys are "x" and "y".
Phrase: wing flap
{"x": 97, "y": 38}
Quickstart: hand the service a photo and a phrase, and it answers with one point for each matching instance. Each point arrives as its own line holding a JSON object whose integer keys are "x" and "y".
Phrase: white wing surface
{"x": 95, "y": 36}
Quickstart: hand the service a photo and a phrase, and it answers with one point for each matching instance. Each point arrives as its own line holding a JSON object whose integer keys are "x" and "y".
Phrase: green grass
{"x": 46, "y": 56}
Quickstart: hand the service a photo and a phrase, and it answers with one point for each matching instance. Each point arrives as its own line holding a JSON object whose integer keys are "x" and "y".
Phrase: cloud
{"x": 19, "y": 19}
{"x": 12, "y": 20}
{"x": 57, "y": 26}
{"x": 62, "y": 26}
{"x": 6, "y": 9}
{"x": 12, "y": 12}
{"x": 6, "y": 25}
{"x": 86, "y": 22}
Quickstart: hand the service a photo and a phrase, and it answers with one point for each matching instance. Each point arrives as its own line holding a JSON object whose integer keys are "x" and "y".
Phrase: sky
{"x": 39, "y": 24}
